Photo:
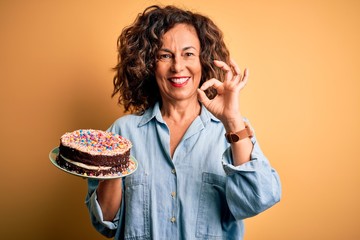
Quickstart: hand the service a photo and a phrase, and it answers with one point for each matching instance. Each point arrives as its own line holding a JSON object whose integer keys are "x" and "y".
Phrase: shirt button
{"x": 173, "y": 171}
{"x": 173, "y": 194}
{"x": 173, "y": 219}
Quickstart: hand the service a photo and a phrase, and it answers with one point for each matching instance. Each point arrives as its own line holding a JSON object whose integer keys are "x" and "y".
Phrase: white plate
{"x": 133, "y": 164}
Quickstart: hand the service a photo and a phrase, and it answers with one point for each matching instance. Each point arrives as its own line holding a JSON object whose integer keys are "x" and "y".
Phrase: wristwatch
{"x": 237, "y": 136}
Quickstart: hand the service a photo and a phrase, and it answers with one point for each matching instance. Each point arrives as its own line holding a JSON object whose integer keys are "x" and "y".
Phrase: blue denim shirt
{"x": 197, "y": 194}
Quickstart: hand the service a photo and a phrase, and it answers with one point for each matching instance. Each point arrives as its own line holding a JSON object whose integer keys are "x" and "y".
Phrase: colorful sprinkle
{"x": 96, "y": 142}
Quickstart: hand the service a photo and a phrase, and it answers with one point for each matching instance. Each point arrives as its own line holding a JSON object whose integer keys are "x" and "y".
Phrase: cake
{"x": 94, "y": 152}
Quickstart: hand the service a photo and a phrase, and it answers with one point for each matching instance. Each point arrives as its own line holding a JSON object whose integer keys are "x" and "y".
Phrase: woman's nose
{"x": 177, "y": 64}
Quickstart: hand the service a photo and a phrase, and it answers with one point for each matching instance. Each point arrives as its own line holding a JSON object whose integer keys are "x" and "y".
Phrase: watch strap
{"x": 232, "y": 137}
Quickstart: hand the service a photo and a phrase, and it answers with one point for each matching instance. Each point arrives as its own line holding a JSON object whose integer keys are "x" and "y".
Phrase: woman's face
{"x": 178, "y": 68}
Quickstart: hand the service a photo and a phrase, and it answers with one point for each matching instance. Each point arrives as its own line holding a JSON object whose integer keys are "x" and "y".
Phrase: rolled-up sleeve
{"x": 106, "y": 228}
{"x": 252, "y": 187}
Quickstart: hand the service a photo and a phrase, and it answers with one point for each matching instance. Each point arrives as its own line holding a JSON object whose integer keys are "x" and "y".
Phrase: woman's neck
{"x": 180, "y": 111}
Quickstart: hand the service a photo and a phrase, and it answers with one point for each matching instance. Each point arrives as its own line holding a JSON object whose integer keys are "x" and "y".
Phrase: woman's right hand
{"x": 225, "y": 105}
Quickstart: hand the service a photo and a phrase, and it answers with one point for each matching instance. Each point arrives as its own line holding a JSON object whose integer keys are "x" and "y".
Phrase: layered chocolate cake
{"x": 94, "y": 152}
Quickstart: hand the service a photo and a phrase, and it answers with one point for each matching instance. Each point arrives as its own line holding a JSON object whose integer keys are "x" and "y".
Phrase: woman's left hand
{"x": 225, "y": 106}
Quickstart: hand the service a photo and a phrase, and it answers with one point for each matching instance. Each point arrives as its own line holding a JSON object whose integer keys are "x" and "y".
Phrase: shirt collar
{"x": 155, "y": 112}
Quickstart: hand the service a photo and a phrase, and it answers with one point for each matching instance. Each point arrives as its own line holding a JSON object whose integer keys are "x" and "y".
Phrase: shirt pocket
{"x": 137, "y": 218}
{"x": 213, "y": 208}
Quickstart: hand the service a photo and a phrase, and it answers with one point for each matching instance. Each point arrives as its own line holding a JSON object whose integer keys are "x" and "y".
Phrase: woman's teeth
{"x": 179, "y": 80}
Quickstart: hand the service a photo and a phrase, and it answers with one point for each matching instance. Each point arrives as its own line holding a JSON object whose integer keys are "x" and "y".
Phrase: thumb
{"x": 202, "y": 97}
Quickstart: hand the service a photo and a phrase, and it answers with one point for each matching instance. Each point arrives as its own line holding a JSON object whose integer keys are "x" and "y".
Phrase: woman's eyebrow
{"x": 165, "y": 50}
{"x": 184, "y": 49}
{"x": 187, "y": 48}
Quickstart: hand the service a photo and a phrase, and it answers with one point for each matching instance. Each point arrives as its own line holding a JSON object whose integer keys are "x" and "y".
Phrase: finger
{"x": 244, "y": 78}
{"x": 246, "y": 75}
{"x": 236, "y": 69}
{"x": 229, "y": 74}
{"x": 240, "y": 79}
{"x": 203, "y": 98}
{"x": 212, "y": 83}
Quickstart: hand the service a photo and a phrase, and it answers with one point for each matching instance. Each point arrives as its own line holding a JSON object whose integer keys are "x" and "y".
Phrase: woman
{"x": 176, "y": 78}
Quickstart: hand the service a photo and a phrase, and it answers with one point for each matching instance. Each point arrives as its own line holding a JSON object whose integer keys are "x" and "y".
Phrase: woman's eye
{"x": 165, "y": 56}
{"x": 189, "y": 54}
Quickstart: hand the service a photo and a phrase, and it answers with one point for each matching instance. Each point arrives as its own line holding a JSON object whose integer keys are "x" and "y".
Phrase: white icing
{"x": 82, "y": 165}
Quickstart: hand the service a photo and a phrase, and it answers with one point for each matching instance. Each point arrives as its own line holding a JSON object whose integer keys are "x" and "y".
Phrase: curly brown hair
{"x": 138, "y": 46}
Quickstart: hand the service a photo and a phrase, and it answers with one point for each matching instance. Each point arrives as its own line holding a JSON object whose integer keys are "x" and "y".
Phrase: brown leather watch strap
{"x": 237, "y": 136}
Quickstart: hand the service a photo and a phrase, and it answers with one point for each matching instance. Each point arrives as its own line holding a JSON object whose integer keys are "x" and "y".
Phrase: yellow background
{"x": 302, "y": 98}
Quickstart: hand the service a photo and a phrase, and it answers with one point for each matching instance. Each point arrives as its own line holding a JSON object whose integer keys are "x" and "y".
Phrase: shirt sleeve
{"x": 106, "y": 228}
{"x": 252, "y": 187}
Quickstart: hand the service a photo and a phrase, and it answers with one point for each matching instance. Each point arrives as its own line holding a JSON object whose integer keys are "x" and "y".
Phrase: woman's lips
{"x": 179, "y": 81}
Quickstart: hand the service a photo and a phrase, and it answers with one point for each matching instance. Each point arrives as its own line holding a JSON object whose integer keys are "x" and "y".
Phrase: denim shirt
{"x": 196, "y": 194}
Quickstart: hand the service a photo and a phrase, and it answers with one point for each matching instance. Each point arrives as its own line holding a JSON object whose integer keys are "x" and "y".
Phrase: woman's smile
{"x": 179, "y": 81}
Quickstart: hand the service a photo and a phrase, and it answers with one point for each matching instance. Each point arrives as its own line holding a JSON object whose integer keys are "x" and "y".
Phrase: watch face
{"x": 234, "y": 137}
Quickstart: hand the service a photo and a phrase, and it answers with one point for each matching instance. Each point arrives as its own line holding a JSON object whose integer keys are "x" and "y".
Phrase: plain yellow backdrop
{"x": 302, "y": 98}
